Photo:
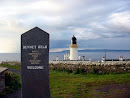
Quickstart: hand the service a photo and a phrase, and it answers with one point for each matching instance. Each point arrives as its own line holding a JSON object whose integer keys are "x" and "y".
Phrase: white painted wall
{"x": 73, "y": 53}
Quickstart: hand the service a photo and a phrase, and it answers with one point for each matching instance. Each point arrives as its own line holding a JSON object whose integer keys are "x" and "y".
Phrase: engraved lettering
{"x": 42, "y": 46}
{"x": 30, "y": 47}
{"x": 35, "y": 67}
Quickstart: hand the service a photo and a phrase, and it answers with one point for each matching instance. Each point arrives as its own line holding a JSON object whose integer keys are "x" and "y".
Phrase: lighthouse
{"x": 73, "y": 49}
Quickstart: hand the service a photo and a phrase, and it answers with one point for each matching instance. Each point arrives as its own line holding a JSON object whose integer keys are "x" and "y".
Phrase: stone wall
{"x": 86, "y": 66}
{"x": 2, "y": 78}
{"x": 2, "y": 81}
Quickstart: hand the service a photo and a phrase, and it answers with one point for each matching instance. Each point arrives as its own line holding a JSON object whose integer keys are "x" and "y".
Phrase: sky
{"x": 98, "y": 24}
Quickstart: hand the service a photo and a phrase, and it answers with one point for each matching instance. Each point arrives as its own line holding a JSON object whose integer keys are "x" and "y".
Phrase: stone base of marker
{"x": 35, "y": 64}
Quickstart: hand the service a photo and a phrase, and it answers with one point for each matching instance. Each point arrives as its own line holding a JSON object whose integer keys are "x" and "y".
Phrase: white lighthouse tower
{"x": 73, "y": 49}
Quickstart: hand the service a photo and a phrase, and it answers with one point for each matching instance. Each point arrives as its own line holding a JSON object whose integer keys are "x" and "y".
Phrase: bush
{"x": 69, "y": 71}
{"x": 82, "y": 71}
{"x": 12, "y": 83}
{"x": 94, "y": 71}
{"x": 77, "y": 71}
{"x": 12, "y": 80}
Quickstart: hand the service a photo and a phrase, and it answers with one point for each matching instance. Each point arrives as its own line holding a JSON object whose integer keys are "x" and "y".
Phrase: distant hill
{"x": 94, "y": 50}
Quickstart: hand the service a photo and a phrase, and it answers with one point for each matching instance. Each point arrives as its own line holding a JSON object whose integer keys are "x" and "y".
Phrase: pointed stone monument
{"x": 35, "y": 64}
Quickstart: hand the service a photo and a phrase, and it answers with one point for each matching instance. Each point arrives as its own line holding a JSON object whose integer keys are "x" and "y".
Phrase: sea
{"x": 96, "y": 55}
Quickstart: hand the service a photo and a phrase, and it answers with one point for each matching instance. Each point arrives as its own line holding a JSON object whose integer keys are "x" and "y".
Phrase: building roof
{"x": 3, "y": 69}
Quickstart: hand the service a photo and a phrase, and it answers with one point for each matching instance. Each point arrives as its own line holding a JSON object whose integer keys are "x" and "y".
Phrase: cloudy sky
{"x": 101, "y": 24}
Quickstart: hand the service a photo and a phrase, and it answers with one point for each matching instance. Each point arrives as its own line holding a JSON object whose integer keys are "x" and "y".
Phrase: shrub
{"x": 77, "y": 71}
{"x": 12, "y": 83}
{"x": 12, "y": 80}
{"x": 69, "y": 71}
{"x": 94, "y": 71}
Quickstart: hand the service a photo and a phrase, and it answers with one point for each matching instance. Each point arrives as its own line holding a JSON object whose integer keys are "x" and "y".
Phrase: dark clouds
{"x": 86, "y": 19}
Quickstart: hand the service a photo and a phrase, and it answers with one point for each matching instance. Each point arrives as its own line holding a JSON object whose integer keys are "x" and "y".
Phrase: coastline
{"x": 94, "y": 55}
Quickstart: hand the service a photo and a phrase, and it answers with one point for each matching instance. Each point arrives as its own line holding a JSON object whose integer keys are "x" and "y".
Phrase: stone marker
{"x": 35, "y": 64}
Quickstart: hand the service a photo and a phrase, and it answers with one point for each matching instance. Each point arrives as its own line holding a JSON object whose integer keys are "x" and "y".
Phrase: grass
{"x": 64, "y": 84}
{"x": 16, "y": 67}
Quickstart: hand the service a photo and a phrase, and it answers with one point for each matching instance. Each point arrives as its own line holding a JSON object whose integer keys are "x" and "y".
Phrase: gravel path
{"x": 16, "y": 94}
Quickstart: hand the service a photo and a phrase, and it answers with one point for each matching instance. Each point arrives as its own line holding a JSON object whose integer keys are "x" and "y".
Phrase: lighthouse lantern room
{"x": 73, "y": 49}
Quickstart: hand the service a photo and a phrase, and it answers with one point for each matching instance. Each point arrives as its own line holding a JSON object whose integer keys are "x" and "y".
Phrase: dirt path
{"x": 113, "y": 91}
{"x": 16, "y": 94}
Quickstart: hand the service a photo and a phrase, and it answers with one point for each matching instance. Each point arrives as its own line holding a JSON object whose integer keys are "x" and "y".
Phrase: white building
{"x": 57, "y": 58}
{"x": 67, "y": 56}
{"x": 121, "y": 58}
{"x": 103, "y": 59}
{"x": 90, "y": 59}
{"x": 79, "y": 58}
{"x": 83, "y": 58}
{"x": 74, "y": 49}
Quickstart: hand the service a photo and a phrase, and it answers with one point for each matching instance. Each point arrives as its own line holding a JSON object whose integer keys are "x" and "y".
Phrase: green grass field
{"x": 63, "y": 84}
